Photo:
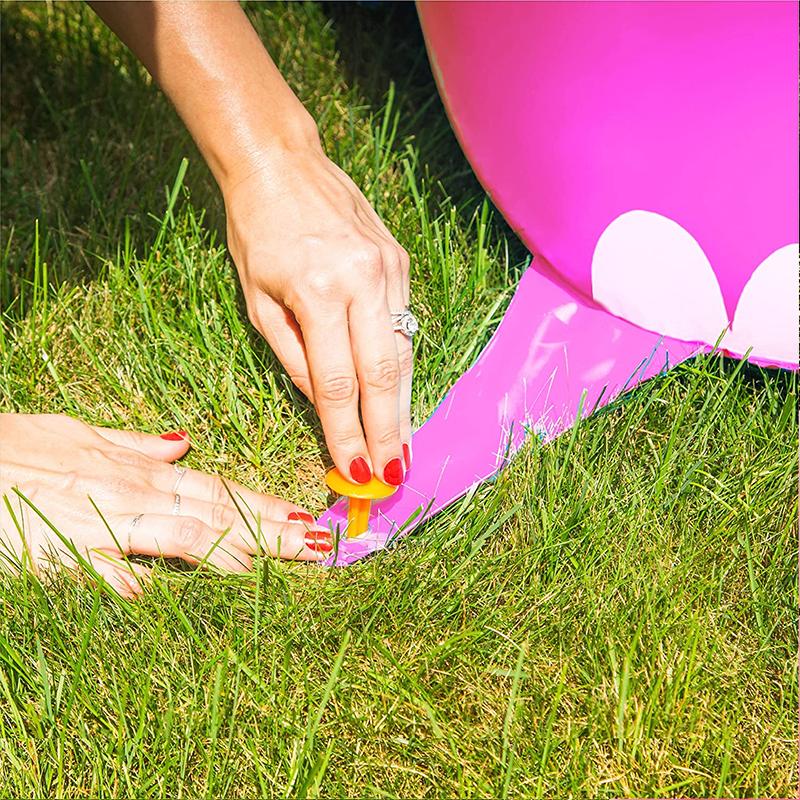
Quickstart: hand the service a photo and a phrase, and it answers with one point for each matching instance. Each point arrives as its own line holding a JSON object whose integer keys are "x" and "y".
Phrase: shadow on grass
{"x": 88, "y": 144}
{"x": 381, "y": 44}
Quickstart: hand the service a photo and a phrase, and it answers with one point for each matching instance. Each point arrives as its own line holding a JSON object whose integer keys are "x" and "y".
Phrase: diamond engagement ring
{"x": 404, "y": 322}
{"x": 176, "y": 506}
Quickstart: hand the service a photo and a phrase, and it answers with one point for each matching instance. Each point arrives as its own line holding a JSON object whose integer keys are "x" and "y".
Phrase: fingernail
{"x": 175, "y": 436}
{"x": 300, "y": 516}
{"x": 359, "y": 470}
{"x": 393, "y": 472}
{"x": 319, "y": 541}
{"x": 407, "y": 455}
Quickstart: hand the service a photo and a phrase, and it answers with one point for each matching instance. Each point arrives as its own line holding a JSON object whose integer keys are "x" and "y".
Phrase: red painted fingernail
{"x": 360, "y": 471}
{"x": 319, "y": 541}
{"x": 300, "y": 516}
{"x": 393, "y": 472}
{"x": 175, "y": 436}
{"x": 407, "y": 455}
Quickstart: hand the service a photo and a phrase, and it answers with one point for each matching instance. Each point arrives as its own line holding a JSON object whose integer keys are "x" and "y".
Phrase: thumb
{"x": 167, "y": 447}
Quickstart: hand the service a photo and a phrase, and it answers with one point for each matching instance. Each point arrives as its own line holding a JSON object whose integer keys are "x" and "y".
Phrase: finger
{"x": 396, "y": 266}
{"x": 188, "y": 538}
{"x": 377, "y": 395}
{"x": 397, "y": 297}
{"x": 246, "y": 528}
{"x": 378, "y": 370}
{"x": 333, "y": 377}
{"x": 279, "y": 327}
{"x": 133, "y": 576}
{"x": 219, "y": 491}
{"x": 166, "y": 447}
{"x": 405, "y": 361}
{"x": 126, "y": 578}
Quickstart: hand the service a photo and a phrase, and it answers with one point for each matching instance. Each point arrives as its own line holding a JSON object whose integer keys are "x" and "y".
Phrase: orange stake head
{"x": 361, "y": 496}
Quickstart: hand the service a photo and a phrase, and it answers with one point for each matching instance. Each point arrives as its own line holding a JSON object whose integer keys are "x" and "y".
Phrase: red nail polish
{"x": 393, "y": 472}
{"x": 175, "y": 436}
{"x": 360, "y": 471}
{"x": 319, "y": 541}
{"x": 407, "y": 456}
{"x": 300, "y": 516}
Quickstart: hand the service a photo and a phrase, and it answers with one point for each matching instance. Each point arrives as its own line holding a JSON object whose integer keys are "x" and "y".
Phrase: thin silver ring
{"x": 132, "y": 527}
{"x": 404, "y": 322}
{"x": 176, "y": 506}
{"x": 180, "y": 472}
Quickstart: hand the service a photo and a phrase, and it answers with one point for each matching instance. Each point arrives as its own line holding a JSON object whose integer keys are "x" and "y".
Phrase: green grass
{"x": 615, "y": 615}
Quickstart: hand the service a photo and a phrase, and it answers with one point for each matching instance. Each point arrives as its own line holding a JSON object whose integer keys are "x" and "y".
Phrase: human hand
{"x": 321, "y": 274}
{"x": 59, "y": 463}
{"x": 319, "y": 270}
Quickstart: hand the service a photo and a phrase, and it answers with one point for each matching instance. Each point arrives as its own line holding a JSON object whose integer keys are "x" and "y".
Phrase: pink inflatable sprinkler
{"x": 647, "y": 155}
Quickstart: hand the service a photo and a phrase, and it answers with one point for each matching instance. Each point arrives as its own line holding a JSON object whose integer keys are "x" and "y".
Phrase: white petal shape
{"x": 649, "y": 270}
{"x": 766, "y": 317}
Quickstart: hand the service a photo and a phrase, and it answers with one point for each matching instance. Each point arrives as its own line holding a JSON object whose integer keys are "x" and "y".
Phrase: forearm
{"x": 211, "y": 64}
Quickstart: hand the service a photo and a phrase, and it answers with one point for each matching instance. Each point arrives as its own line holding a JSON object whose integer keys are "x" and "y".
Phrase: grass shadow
{"x": 88, "y": 144}
{"x": 382, "y": 45}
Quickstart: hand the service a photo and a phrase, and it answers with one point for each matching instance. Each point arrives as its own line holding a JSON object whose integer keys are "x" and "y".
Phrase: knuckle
{"x": 121, "y": 485}
{"x": 383, "y": 376}
{"x": 100, "y": 455}
{"x": 222, "y": 516}
{"x": 321, "y": 283}
{"x": 127, "y": 458}
{"x": 390, "y": 436}
{"x": 219, "y": 492}
{"x": 337, "y": 389}
{"x": 223, "y": 511}
{"x": 347, "y": 441}
{"x": 405, "y": 260}
{"x": 369, "y": 262}
{"x": 71, "y": 423}
{"x": 254, "y": 318}
{"x": 189, "y": 533}
{"x": 391, "y": 261}
{"x": 405, "y": 361}
{"x": 69, "y": 481}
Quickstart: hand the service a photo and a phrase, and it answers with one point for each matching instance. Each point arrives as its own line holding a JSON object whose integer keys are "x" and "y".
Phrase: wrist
{"x": 264, "y": 147}
{"x": 212, "y": 65}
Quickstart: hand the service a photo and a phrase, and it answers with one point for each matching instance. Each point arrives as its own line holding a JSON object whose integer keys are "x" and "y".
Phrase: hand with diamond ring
{"x": 321, "y": 274}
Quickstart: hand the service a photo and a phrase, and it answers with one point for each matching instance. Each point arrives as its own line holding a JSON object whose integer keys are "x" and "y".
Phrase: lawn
{"x": 629, "y": 625}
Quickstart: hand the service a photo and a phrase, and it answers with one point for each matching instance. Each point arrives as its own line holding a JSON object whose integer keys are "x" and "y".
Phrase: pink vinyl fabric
{"x": 552, "y": 357}
{"x": 576, "y": 114}
{"x": 646, "y": 153}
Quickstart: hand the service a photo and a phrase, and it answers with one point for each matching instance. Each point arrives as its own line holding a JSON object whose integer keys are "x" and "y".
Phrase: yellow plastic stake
{"x": 361, "y": 496}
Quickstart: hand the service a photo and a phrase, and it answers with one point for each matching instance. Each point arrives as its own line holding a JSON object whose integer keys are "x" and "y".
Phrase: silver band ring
{"x": 132, "y": 528}
{"x": 176, "y": 506}
{"x": 180, "y": 472}
{"x": 404, "y": 322}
